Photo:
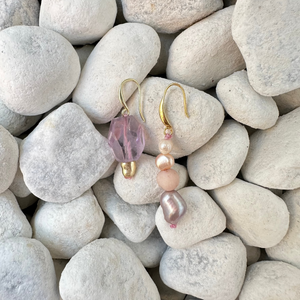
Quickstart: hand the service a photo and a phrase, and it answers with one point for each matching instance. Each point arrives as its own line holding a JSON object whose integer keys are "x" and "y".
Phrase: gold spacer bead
{"x": 128, "y": 169}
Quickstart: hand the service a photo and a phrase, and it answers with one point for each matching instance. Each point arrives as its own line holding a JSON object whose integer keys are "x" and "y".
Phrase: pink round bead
{"x": 168, "y": 180}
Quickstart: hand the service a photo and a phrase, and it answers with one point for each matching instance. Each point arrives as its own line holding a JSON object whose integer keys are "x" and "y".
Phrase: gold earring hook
{"x": 121, "y": 98}
{"x": 162, "y": 112}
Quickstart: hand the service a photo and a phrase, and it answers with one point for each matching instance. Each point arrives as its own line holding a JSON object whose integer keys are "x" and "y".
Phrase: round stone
{"x": 168, "y": 179}
{"x": 106, "y": 269}
{"x": 136, "y": 222}
{"x": 256, "y": 215}
{"x": 64, "y": 239}
{"x": 48, "y": 61}
{"x": 205, "y": 52}
{"x": 190, "y": 270}
{"x": 134, "y": 49}
{"x": 64, "y": 155}
{"x": 271, "y": 280}
{"x": 219, "y": 161}
{"x": 13, "y": 222}
{"x": 9, "y": 155}
{"x": 80, "y": 22}
{"x": 244, "y": 104}
{"x": 27, "y": 270}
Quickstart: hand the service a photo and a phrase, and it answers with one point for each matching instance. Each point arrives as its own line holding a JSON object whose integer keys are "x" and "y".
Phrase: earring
{"x": 173, "y": 205}
{"x": 126, "y": 136}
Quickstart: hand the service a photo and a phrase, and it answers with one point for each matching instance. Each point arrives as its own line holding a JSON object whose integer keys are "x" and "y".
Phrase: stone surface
{"x": 15, "y": 123}
{"x": 273, "y": 156}
{"x": 18, "y": 12}
{"x": 136, "y": 222}
{"x": 27, "y": 270}
{"x": 288, "y": 248}
{"x": 288, "y": 101}
{"x": 48, "y": 65}
{"x": 126, "y": 51}
{"x": 165, "y": 41}
{"x": 110, "y": 171}
{"x": 83, "y": 54}
{"x": 205, "y": 52}
{"x": 64, "y": 228}
{"x": 191, "y": 270}
{"x": 80, "y": 22}
{"x": 9, "y": 155}
{"x": 18, "y": 186}
{"x": 244, "y": 104}
{"x": 256, "y": 215}
{"x": 169, "y": 17}
{"x": 59, "y": 265}
{"x": 272, "y": 63}
{"x": 64, "y": 155}
{"x": 165, "y": 292}
{"x": 148, "y": 251}
{"x": 218, "y": 162}
{"x": 206, "y": 116}
{"x": 106, "y": 269}
{"x": 13, "y": 222}
{"x": 202, "y": 220}
{"x": 271, "y": 280}
{"x": 143, "y": 188}
{"x": 253, "y": 254}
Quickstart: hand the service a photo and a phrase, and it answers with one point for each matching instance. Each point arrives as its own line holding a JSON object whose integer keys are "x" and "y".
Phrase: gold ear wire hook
{"x": 121, "y": 98}
{"x": 162, "y": 113}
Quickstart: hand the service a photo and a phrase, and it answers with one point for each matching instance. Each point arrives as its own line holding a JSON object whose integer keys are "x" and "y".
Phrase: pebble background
{"x": 72, "y": 227}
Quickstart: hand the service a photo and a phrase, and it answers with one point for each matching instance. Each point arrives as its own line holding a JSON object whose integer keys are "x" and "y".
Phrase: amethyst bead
{"x": 126, "y": 138}
{"x": 173, "y": 206}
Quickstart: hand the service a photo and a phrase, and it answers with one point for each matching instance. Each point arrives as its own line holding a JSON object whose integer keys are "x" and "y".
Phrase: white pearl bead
{"x": 165, "y": 146}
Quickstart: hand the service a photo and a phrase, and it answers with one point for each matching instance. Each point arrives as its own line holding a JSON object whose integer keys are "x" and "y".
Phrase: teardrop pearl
{"x": 173, "y": 206}
{"x": 165, "y": 146}
{"x": 168, "y": 180}
{"x": 164, "y": 161}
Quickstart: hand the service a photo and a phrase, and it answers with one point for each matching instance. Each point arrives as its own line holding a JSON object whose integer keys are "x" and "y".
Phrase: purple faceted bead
{"x": 126, "y": 138}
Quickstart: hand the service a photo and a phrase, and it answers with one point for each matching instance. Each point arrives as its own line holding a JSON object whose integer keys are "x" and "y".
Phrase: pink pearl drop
{"x": 168, "y": 180}
{"x": 164, "y": 162}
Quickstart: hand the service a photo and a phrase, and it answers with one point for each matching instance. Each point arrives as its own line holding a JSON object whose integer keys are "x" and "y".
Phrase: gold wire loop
{"x": 121, "y": 98}
{"x": 162, "y": 113}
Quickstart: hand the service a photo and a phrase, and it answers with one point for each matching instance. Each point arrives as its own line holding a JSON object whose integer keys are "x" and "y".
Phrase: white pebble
{"x": 244, "y": 104}
{"x": 288, "y": 248}
{"x": 126, "y": 51}
{"x": 218, "y": 162}
{"x": 206, "y": 116}
{"x": 202, "y": 220}
{"x": 288, "y": 101}
{"x": 43, "y": 66}
{"x": 272, "y": 63}
{"x": 212, "y": 269}
{"x": 169, "y": 17}
{"x": 19, "y": 12}
{"x": 83, "y": 54}
{"x": 64, "y": 155}
{"x": 9, "y": 156}
{"x": 273, "y": 156}
{"x": 27, "y": 270}
{"x": 205, "y": 52}
{"x": 80, "y": 22}
{"x": 256, "y": 215}
{"x": 149, "y": 251}
{"x": 143, "y": 187}
{"x": 64, "y": 228}
{"x": 13, "y": 222}
{"x": 271, "y": 280}
{"x": 253, "y": 254}
{"x": 15, "y": 123}
{"x": 136, "y": 222}
{"x": 106, "y": 269}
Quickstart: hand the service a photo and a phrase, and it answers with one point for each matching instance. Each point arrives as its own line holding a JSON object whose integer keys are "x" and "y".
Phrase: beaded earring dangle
{"x": 173, "y": 205}
{"x": 126, "y": 135}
